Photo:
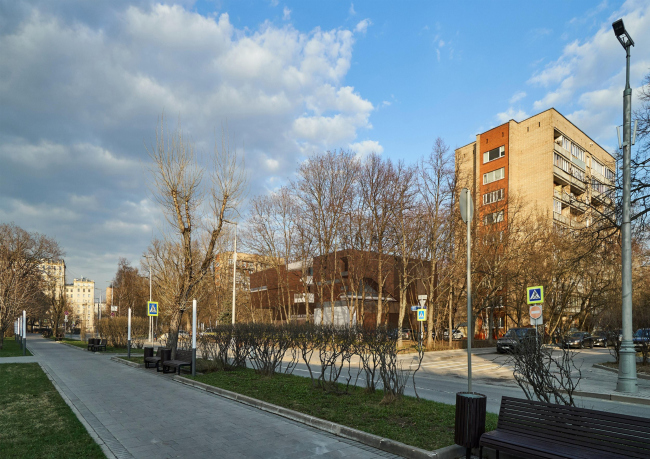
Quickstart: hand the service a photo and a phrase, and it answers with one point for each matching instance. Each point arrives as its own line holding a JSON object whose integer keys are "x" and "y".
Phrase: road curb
{"x": 384, "y": 444}
{"x": 126, "y": 362}
{"x": 614, "y": 370}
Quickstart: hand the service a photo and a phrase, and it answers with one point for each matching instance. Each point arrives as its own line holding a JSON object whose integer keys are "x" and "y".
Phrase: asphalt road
{"x": 443, "y": 374}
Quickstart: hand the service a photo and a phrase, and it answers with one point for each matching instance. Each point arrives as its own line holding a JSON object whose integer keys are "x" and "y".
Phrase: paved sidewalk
{"x": 141, "y": 414}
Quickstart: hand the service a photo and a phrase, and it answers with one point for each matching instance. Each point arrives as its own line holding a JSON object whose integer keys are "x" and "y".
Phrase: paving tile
{"x": 145, "y": 415}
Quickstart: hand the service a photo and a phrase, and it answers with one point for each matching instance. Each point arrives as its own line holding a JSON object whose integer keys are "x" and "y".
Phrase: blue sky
{"x": 82, "y": 85}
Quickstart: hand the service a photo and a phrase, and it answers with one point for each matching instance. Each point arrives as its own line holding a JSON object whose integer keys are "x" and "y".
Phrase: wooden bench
{"x": 183, "y": 359}
{"x": 544, "y": 430}
{"x": 151, "y": 361}
{"x": 91, "y": 343}
{"x": 100, "y": 345}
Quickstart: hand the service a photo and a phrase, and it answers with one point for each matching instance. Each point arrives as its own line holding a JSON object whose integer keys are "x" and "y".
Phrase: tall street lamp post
{"x": 627, "y": 367}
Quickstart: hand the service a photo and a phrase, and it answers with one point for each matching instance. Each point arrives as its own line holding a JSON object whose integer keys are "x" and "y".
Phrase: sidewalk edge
{"x": 105, "y": 449}
{"x": 126, "y": 362}
{"x": 614, "y": 370}
{"x": 375, "y": 441}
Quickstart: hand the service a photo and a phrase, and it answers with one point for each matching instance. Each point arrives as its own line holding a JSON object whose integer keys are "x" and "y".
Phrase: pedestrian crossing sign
{"x": 152, "y": 308}
{"x": 422, "y": 315}
{"x": 535, "y": 294}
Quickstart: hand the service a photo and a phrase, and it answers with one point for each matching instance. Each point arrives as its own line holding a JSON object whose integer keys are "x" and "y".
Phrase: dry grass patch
{"x": 35, "y": 422}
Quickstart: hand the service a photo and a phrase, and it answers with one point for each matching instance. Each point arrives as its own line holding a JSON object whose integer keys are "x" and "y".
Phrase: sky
{"x": 84, "y": 84}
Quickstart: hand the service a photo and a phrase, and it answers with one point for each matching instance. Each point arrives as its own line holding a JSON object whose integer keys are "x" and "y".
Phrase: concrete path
{"x": 142, "y": 414}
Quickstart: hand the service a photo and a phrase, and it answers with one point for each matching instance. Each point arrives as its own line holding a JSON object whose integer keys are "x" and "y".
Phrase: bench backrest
{"x": 103, "y": 342}
{"x": 183, "y": 355}
{"x": 164, "y": 354}
{"x": 607, "y": 432}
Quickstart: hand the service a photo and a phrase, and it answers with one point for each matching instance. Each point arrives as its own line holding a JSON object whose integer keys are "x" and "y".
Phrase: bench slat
{"x": 552, "y": 430}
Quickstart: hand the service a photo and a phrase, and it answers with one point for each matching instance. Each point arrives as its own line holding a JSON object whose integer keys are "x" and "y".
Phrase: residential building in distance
{"x": 82, "y": 301}
{"x": 544, "y": 161}
{"x": 54, "y": 274}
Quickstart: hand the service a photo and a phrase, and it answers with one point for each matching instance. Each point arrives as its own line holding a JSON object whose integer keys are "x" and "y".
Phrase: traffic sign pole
{"x": 194, "y": 337}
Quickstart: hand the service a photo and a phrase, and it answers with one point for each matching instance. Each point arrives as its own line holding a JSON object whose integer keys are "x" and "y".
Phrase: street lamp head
{"x": 621, "y": 34}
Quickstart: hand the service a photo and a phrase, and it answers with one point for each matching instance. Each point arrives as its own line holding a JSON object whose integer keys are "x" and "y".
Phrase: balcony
{"x": 563, "y": 151}
{"x": 563, "y": 178}
{"x": 601, "y": 197}
{"x": 561, "y": 218}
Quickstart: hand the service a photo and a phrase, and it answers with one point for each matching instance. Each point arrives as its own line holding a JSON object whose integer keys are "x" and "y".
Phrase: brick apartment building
{"x": 349, "y": 281}
{"x": 547, "y": 162}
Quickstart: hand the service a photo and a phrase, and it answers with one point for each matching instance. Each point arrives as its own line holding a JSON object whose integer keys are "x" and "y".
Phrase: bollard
{"x": 128, "y": 341}
{"x": 193, "y": 338}
{"x": 24, "y": 332}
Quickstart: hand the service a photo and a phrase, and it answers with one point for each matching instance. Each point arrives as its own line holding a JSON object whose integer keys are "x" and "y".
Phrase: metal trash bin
{"x": 470, "y": 419}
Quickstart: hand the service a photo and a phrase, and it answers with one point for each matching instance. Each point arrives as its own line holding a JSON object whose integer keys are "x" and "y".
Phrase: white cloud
{"x": 85, "y": 97}
{"x": 586, "y": 82}
{"x": 363, "y": 25}
{"x": 365, "y": 147}
{"x": 441, "y": 43}
{"x": 511, "y": 114}
{"x": 351, "y": 10}
{"x": 438, "y": 54}
{"x": 286, "y": 14}
{"x": 516, "y": 97}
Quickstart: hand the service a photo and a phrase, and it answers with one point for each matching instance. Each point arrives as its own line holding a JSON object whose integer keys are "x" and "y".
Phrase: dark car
{"x": 513, "y": 338}
{"x": 600, "y": 338}
{"x": 578, "y": 340}
{"x": 641, "y": 338}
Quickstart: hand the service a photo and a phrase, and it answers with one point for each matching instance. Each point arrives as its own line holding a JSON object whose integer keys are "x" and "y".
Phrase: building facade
{"x": 544, "y": 163}
{"x": 54, "y": 274}
{"x": 82, "y": 302}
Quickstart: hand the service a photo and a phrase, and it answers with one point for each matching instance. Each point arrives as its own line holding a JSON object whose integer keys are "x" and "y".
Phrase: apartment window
{"x": 577, "y": 152}
{"x": 494, "y": 217}
{"x": 609, "y": 175}
{"x": 597, "y": 167}
{"x": 562, "y": 163}
{"x": 557, "y": 206}
{"x": 493, "y": 154}
{"x": 493, "y": 176}
{"x": 494, "y": 196}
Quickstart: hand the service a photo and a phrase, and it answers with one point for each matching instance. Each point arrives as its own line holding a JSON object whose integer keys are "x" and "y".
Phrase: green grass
{"x": 109, "y": 349}
{"x": 424, "y": 423}
{"x": 35, "y": 422}
{"x": 10, "y": 348}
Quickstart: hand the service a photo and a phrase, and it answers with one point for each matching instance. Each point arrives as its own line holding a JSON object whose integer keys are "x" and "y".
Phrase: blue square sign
{"x": 152, "y": 308}
{"x": 535, "y": 294}
{"x": 422, "y": 315}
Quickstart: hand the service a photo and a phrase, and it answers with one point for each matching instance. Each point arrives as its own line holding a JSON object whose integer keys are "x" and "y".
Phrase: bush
{"x": 115, "y": 331}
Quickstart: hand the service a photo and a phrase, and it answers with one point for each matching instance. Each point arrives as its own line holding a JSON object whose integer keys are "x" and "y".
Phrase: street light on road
{"x": 627, "y": 381}
{"x": 234, "y": 271}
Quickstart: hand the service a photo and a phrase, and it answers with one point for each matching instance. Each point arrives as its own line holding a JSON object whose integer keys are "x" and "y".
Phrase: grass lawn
{"x": 109, "y": 349}
{"x": 10, "y": 348}
{"x": 35, "y": 422}
{"x": 424, "y": 423}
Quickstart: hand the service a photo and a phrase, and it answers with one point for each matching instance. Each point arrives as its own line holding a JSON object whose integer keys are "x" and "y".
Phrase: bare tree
{"x": 324, "y": 186}
{"x": 435, "y": 186}
{"x": 21, "y": 277}
{"x": 177, "y": 186}
{"x": 378, "y": 197}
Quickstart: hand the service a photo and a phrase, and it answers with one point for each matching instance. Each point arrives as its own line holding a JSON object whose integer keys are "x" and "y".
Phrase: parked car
{"x": 641, "y": 337}
{"x": 600, "y": 338}
{"x": 456, "y": 334}
{"x": 407, "y": 333}
{"x": 578, "y": 340}
{"x": 513, "y": 338}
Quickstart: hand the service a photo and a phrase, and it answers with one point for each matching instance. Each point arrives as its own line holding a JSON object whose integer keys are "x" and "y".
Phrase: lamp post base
{"x": 627, "y": 381}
